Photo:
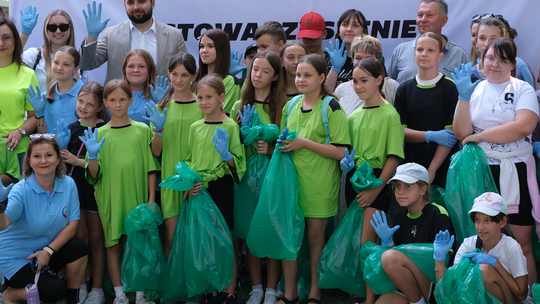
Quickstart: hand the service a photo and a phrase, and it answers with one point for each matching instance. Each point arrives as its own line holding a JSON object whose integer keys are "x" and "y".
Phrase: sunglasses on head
{"x": 46, "y": 136}
{"x": 64, "y": 27}
{"x": 486, "y": 15}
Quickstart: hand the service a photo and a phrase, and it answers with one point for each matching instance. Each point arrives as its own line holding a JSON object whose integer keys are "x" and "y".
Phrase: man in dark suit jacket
{"x": 141, "y": 31}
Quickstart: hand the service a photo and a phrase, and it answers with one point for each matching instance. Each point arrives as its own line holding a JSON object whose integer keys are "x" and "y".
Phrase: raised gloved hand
{"x": 481, "y": 258}
{"x": 29, "y": 19}
{"x": 347, "y": 163}
{"x": 63, "y": 134}
{"x": 246, "y": 118}
{"x": 443, "y": 137}
{"x": 283, "y": 135}
{"x": 221, "y": 144}
{"x": 155, "y": 117}
{"x": 94, "y": 25}
{"x": 384, "y": 232}
{"x": 442, "y": 244}
{"x": 235, "y": 67}
{"x": 90, "y": 141}
{"x": 337, "y": 55}
{"x": 37, "y": 100}
{"x": 4, "y": 191}
{"x": 162, "y": 87}
{"x": 536, "y": 148}
{"x": 462, "y": 78}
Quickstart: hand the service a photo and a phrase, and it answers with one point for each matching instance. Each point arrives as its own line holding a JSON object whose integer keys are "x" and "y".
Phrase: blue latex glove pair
{"x": 462, "y": 78}
{"x": 338, "y": 55}
{"x": 94, "y": 25}
{"x": 443, "y": 137}
{"x": 246, "y": 117}
{"x": 384, "y": 232}
{"x": 162, "y": 87}
{"x": 347, "y": 163}
{"x": 442, "y": 244}
{"x": 37, "y": 100}
{"x": 63, "y": 134}
{"x": 29, "y": 19}
{"x": 235, "y": 67}
{"x": 221, "y": 143}
{"x": 155, "y": 117}
{"x": 90, "y": 141}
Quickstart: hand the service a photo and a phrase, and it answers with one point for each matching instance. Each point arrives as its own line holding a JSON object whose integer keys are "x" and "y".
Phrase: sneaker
{"x": 121, "y": 300}
{"x": 255, "y": 297}
{"x": 270, "y": 297}
{"x": 143, "y": 300}
{"x": 83, "y": 295}
{"x": 228, "y": 298}
{"x": 209, "y": 298}
{"x": 95, "y": 297}
{"x": 279, "y": 293}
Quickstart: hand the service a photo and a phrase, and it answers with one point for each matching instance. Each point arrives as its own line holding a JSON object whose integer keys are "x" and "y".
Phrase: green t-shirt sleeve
{"x": 153, "y": 164}
{"x": 232, "y": 93}
{"x": 396, "y": 137}
{"x": 9, "y": 163}
{"x": 284, "y": 117}
{"x": 33, "y": 82}
{"x": 236, "y": 147}
{"x": 339, "y": 129}
{"x": 234, "y": 110}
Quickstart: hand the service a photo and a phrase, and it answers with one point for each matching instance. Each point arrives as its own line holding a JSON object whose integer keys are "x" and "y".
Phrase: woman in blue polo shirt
{"x": 40, "y": 221}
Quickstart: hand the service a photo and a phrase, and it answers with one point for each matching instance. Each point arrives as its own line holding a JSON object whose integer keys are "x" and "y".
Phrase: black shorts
{"x": 222, "y": 193}
{"x": 86, "y": 197}
{"x": 382, "y": 202}
{"x": 524, "y": 217}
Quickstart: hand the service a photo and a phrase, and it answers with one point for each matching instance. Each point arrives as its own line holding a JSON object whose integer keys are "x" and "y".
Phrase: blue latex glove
{"x": 155, "y": 117}
{"x": 347, "y": 163}
{"x": 235, "y": 67}
{"x": 161, "y": 88}
{"x": 28, "y": 19}
{"x": 536, "y": 148}
{"x": 384, "y": 232}
{"x": 442, "y": 244}
{"x": 63, "y": 134}
{"x": 5, "y": 191}
{"x": 462, "y": 78}
{"x": 283, "y": 135}
{"x": 220, "y": 143}
{"x": 37, "y": 100}
{"x": 92, "y": 145}
{"x": 444, "y": 137}
{"x": 94, "y": 25}
{"x": 337, "y": 55}
{"x": 481, "y": 258}
{"x": 248, "y": 113}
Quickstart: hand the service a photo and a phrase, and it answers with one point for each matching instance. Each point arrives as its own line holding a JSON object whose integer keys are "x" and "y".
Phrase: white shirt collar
{"x": 152, "y": 28}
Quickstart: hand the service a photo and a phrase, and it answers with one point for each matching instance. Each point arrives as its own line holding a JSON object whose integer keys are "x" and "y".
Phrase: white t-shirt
{"x": 350, "y": 101}
{"x": 29, "y": 57}
{"x": 493, "y": 105}
{"x": 507, "y": 251}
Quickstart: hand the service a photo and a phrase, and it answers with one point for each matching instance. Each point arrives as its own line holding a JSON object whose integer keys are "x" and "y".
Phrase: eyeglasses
{"x": 64, "y": 27}
{"x": 486, "y": 15}
{"x": 406, "y": 187}
{"x": 503, "y": 62}
{"x": 46, "y": 136}
{"x": 7, "y": 38}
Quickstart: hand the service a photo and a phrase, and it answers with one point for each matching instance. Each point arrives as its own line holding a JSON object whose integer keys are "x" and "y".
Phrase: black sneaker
{"x": 227, "y": 298}
{"x": 210, "y": 299}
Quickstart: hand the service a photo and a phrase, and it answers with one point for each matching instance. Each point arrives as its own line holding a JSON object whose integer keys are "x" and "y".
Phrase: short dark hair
{"x": 272, "y": 28}
{"x": 352, "y": 13}
{"x": 443, "y": 6}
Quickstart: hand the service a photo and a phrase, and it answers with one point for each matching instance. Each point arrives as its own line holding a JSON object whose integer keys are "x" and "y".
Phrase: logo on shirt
{"x": 65, "y": 213}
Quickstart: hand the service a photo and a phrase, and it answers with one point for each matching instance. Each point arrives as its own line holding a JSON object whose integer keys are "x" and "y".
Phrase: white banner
{"x": 391, "y": 21}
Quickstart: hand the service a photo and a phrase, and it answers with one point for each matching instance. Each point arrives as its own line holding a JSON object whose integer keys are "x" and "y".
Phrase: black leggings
{"x": 51, "y": 288}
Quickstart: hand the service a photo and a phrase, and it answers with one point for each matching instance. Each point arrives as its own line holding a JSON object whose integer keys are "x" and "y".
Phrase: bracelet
{"x": 158, "y": 131}
{"x": 436, "y": 271}
{"x": 49, "y": 250}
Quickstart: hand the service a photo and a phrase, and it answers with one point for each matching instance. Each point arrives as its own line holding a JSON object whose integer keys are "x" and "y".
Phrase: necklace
{"x": 496, "y": 99}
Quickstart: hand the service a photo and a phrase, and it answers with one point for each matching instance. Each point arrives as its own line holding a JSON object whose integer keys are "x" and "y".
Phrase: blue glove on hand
{"x": 283, "y": 135}
{"x": 63, "y": 134}
{"x": 37, "y": 100}
{"x": 155, "y": 117}
{"x": 381, "y": 228}
{"x": 161, "y": 88}
{"x": 235, "y": 67}
{"x": 28, "y": 19}
{"x": 442, "y": 244}
{"x": 94, "y": 25}
{"x": 462, "y": 78}
{"x": 481, "y": 258}
{"x": 246, "y": 118}
{"x": 337, "y": 55}
{"x": 92, "y": 145}
{"x": 444, "y": 137}
{"x": 536, "y": 148}
{"x": 220, "y": 143}
{"x": 347, "y": 163}
{"x": 5, "y": 191}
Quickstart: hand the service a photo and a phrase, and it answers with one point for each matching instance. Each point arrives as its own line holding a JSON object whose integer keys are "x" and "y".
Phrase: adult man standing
{"x": 431, "y": 17}
{"x": 141, "y": 31}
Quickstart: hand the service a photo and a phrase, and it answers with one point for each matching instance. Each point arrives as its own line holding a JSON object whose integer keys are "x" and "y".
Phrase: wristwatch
{"x": 23, "y": 132}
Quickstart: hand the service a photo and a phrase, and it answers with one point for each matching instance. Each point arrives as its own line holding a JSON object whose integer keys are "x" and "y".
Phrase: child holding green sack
{"x": 419, "y": 223}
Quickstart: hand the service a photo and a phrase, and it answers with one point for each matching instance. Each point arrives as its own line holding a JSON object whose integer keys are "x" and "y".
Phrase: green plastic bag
{"x": 340, "y": 264}
{"x": 468, "y": 177}
{"x": 463, "y": 284}
{"x": 536, "y": 292}
{"x": 246, "y": 194}
{"x": 277, "y": 226}
{"x": 144, "y": 267}
{"x": 437, "y": 195}
{"x": 376, "y": 278}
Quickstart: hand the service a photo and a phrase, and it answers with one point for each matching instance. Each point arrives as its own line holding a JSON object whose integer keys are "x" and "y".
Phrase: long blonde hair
{"x": 46, "y": 48}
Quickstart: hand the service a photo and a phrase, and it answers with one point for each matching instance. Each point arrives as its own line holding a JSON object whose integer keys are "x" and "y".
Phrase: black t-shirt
{"x": 346, "y": 71}
{"x": 427, "y": 109}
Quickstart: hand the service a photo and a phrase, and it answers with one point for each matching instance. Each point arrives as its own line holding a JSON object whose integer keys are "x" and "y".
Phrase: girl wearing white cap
{"x": 503, "y": 264}
{"x": 419, "y": 223}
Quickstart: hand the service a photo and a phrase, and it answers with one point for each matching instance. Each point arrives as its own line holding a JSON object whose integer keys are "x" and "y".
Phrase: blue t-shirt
{"x": 63, "y": 107}
{"x": 36, "y": 218}
{"x": 136, "y": 111}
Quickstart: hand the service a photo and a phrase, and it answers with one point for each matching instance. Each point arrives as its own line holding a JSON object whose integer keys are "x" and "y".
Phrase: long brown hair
{"x": 17, "y": 52}
{"x": 318, "y": 63}
{"x": 150, "y": 66}
{"x": 27, "y": 170}
{"x": 96, "y": 90}
{"x": 282, "y": 53}
{"x": 51, "y": 87}
{"x": 47, "y": 42}
{"x": 188, "y": 61}
{"x": 373, "y": 67}
{"x": 223, "y": 54}
{"x": 274, "y": 102}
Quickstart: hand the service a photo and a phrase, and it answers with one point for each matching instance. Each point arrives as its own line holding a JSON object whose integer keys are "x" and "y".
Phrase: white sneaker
{"x": 279, "y": 293}
{"x": 94, "y": 297}
{"x": 143, "y": 300}
{"x": 83, "y": 295}
{"x": 121, "y": 300}
{"x": 270, "y": 297}
{"x": 255, "y": 297}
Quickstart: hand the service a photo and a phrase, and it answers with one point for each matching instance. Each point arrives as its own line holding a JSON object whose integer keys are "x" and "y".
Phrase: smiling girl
{"x": 291, "y": 52}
